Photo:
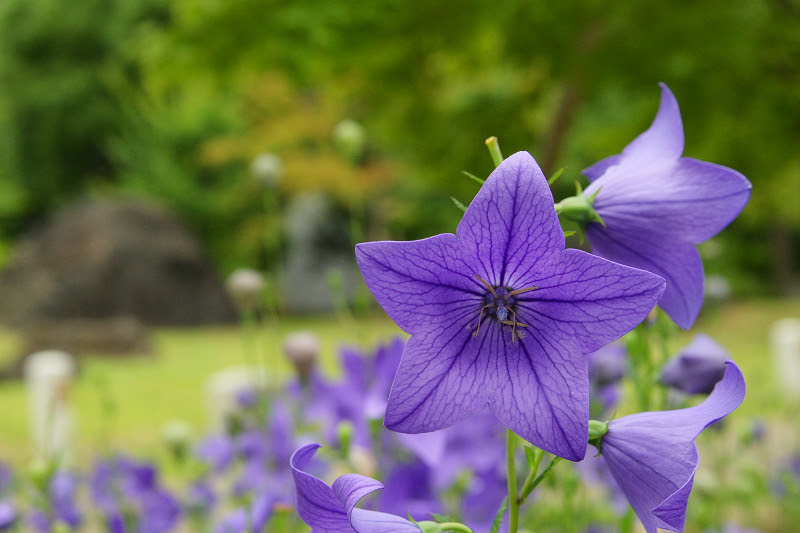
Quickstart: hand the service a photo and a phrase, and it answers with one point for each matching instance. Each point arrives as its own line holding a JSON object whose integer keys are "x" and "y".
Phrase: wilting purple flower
{"x": 332, "y": 509}
{"x": 657, "y": 205}
{"x": 697, "y": 368}
{"x": 653, "y": 457}
{"x": 501, "y": 314}
{"x": 8, "y": 515}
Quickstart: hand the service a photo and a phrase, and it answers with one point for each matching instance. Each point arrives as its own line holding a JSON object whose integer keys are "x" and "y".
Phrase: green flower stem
{"x": 529, "y": 484}
{"x": 513, "y": 501}
{"x": 494, "y": 150}
{"x": 455, "y": 526}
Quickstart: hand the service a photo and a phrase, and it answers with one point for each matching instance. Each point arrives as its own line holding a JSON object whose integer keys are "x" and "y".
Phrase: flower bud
{"x": 267, "y": 169}
{"x": 177, "y": 436}
{"x": 302, "y": 348}
{"x": 246, "y": 287}
{"x": 349, "y": 138}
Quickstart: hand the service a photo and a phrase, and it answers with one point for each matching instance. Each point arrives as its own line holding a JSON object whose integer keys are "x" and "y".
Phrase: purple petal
{"x": 418, "y": 282}
{"x": 697, "y": 368}
{"x": 510, "y": 225}
{"x": 316, "y": 503}
{"x": 677, "y": 262}
{"x": 598, "y": 169}
{"x": 587, "y": 301}
{"x": 350, "y": 488}
{"x": 653, "y": 456}
{"x": 444, "y": 377}
{"x": 689, "y": 199}
{"x": 544, "y": 396}
{"x": 663, "y": 140}
{"x": 429, "y": 447}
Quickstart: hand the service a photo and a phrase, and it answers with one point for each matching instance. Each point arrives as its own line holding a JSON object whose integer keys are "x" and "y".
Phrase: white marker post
{"x": 49, "y": 376}
{"x": 785, "y": 339}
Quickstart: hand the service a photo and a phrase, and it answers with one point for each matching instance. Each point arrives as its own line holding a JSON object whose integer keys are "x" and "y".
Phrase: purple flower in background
{"x": 607, "y": 367}
{"x": 332, "y": 509}
{"x": 653, "y": 457}
{"x": 501, "y": 314}
{"x": 697, "y": 368}
{"x": 8, "y": 515}
{"x": 5, "y": 478}
{"x": 656, "y": 206}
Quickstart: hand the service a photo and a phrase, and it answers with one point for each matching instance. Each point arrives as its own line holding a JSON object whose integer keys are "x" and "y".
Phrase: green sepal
{"x": 473, "y": 177}
{"x": 442, "y": 517}
{"x": 556, "y": 175}
{"x": 597, "y": 431}
{"x": 428, "y": 527}
{"x": 570, "y": 233}
{"x": 459, "y": 205}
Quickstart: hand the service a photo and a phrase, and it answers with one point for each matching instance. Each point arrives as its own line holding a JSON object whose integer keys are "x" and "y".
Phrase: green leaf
{"x": 459, "y": 205}
{"x": 498, "y": 518}
{"x": 473, "y": 177}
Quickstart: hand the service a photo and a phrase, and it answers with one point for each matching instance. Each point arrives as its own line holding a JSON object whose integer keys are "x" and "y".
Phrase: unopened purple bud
{"x": 697, "y": 368}
{"x": 302, "y": 348}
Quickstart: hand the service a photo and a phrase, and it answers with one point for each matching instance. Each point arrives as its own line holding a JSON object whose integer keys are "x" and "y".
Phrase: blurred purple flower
{"x": 656, "y": 206}
{"x": 653, "y": 457}
{"x": 332, "y": 509}
{"x": 697, "y": 368}
{"x": 481, "y": 335}
{"x": 218, "y": 451}
{"x": 607, "y": 367}
{"x": 8, "y": 515}
{"x": 5, "y": 478}
{"x": 125, "y": 488}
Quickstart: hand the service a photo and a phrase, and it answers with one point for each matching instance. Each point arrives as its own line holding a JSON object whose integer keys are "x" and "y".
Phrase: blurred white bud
{"x": 349, "y": 137}
{"x": 267, "y": 169}
{"x": 176, "y": 433}
{"x": 49, "y": 375}
{"x": 246, "y": 287}
{"x": 302, "y": 348}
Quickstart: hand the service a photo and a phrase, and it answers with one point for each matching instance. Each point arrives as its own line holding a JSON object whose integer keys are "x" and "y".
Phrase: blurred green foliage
{"x": 173, "y": 100}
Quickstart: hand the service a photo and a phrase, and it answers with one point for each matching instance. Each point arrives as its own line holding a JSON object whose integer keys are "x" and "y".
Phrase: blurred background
{"x": 150, "y": 148}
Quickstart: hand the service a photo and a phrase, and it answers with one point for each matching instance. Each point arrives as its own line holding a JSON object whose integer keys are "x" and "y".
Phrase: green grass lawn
{"x": 146, "y": 392}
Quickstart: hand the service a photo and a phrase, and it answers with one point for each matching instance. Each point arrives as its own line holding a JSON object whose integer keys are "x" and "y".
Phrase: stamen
{"x": 520, "y": 291}
{"x": 480, "y": 320}
{"x": 485, "y": 284}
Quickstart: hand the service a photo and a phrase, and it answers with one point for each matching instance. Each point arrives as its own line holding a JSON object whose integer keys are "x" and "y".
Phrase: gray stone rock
{"x": 110, "y": 258}
{"x": 319, "y": 251}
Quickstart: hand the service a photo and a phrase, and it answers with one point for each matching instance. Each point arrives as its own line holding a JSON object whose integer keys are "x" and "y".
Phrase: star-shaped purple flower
{"x": 333, "y": 509}
{"x": 501, "y": 315}
{"x": 657, "y": 205}
{"x": 653, "y": 457}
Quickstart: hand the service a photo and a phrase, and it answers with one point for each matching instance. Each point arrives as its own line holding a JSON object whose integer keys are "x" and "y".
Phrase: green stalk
{"x": 513, "y": 501}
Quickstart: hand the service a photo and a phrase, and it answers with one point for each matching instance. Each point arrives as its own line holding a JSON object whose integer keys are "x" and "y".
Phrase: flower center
{"x": 500, "y": 303}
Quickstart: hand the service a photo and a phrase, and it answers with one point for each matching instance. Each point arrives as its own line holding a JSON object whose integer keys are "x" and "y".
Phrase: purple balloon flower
{"x": 8, "y": 515}
{"x": 656, "y": 206}
{"x": 332, "y": 509}
{"x": 501, "y": 314}
{"x": 653, "y": 457}
{"x": 697, "y": 368}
